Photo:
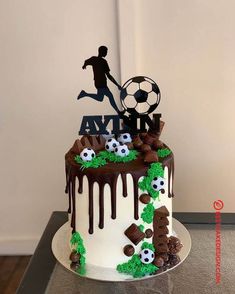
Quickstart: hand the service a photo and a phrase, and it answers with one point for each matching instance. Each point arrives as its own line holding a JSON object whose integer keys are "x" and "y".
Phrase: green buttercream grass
{"x": 155, "y": 170}
{"x": 163, "y": 152}
{"x": 147, "y": 245}
{"x": 148, "y": 213}
{"x": 141, "y": 228}
{"x": 115, "y": 158}
{"x": 94, "y": 163}
{"x": 136, "y": 268}
{"x": 77, "y": 244}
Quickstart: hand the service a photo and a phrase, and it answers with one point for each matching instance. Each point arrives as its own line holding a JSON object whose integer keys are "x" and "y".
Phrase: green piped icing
{"x": 163, "y": 152}
{"x": 141, "y": 227}
{"x": 78, "y": 245}
{"x": 94, "y": 163}
{"x": 147, "y": 245}
{"x": 155, "y": 170}
{"x": 136, "y": 268}
{"x": 115, "y": 158}
{"x": 148, "y": 213}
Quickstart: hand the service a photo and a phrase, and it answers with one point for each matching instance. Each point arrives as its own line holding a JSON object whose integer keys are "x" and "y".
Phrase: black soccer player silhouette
{"x": 101, "y": 71}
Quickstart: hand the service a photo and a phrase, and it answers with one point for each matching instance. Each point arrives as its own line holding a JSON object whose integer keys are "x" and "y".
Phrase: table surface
{"x": 195, "y": 275}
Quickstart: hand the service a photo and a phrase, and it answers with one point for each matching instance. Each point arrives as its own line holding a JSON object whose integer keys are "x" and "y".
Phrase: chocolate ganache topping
{"x": 107, "y": 174}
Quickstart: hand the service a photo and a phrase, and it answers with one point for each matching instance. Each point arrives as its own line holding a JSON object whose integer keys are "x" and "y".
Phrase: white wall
{"x": 186, "y": 46}
{"x": 43, "y": 47}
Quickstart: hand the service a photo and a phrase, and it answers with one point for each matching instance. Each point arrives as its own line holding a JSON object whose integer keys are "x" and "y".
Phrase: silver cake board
{"x": 61, "y": 250}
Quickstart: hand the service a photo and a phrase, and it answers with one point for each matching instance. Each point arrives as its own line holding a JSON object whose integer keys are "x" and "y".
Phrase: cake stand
{"x": 62, "y": 250}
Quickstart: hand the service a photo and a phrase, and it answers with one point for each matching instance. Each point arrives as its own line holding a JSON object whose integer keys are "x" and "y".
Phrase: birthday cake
{"x": 120, "y": 182}
{"x": 120, "y": 203}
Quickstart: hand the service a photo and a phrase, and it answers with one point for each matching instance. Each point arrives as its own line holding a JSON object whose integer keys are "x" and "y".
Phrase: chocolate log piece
{"x": 148, "y": 140}
{"x": 162, "y": 239}
{"x": 157, "y": 134}
{"x": 161, "y": 212}
{"x": 157, "y": 144}
{"x": 134, "y": 234}
{"x": 77, "y": 147}
{"x": 151, "y": 156}
{"x": 161, "y": 248}
{"x": 137, "y": 142}
{"x": 161, "y": 231}
{"x": 148, "y": 233}
{"x": 97, "y": 142}
{"x": 130, "y": 145}
{"x": 145, "y": 148}
{"x": 129, "y": 250}
{"x": 142, "y": 135}
{"x": 163, "y": 221}
{"x": 145, "y": 198}
{"x": 174, "y": 245}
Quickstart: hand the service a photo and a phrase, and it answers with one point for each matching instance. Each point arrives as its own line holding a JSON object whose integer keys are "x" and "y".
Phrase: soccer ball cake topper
{"x": 140, "y": 96}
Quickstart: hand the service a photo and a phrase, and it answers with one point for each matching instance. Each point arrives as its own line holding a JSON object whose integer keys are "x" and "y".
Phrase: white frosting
{"x": 105, "y": 246}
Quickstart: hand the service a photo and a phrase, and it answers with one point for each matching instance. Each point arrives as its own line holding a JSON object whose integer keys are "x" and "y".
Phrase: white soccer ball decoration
{"x": 87, "y": 154}
{"x": 124, "y": 138}
{"x": 111, "y": 144}
{"x": 158, "y": 183}
{"x": 140, "y": 95}
{"x": 146, "y": 256}
{"x": 122, "y": 150}
{"x": 109, "y": 135}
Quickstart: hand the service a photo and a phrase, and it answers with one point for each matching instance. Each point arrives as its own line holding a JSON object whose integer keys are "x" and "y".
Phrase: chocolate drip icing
{"x": 169, "y": 163}
{"x": 91, "y": 208}
{"x": 101, "y": 207}
{"x": 107, "y": 174}
{"x": 73, "y": 205}
{"x": 124, "y": 185}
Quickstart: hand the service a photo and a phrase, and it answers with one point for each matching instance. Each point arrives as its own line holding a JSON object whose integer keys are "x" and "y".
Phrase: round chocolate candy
{"x": 129, "y": 250}
{"x": 158, "y": 261}
{"x": 145, "y": 198}
{"x": 74, "y": 257}
{"x": 148, "y": 233}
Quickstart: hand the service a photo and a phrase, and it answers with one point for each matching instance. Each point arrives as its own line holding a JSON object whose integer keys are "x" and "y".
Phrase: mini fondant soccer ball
{"x": 87, "y": 154}
{"x": 146, "y": 256}
{"x": 109, "y": 135}
{"x": 158, "y": 183}
{"x": 122, "y": 150}
{"x": 124, "y": 138}
{"x": 111, "y": 144}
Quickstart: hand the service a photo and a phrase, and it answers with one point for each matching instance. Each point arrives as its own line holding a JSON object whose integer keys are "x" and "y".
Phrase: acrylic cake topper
{"x": 139, "y": 97}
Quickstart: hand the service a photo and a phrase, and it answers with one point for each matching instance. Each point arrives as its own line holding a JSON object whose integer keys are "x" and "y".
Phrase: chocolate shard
{"x": 157, "y": 134}
{"x": 77, "y": 147}
{"x": 137, "y": 142}
{"x": 97, "y": 143}
{"x": 85, "y": 141}
{"x": 148, "y": 140}
{"x": 145, "y": 148}
{"x": 161, "y": 212}
{"x": 145, "y": 198}
{"x": 130, "y": 145}
{"x": 134, "y": 234}
{"x": 151, "y": 156}
{"x": 157, "y": 144}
